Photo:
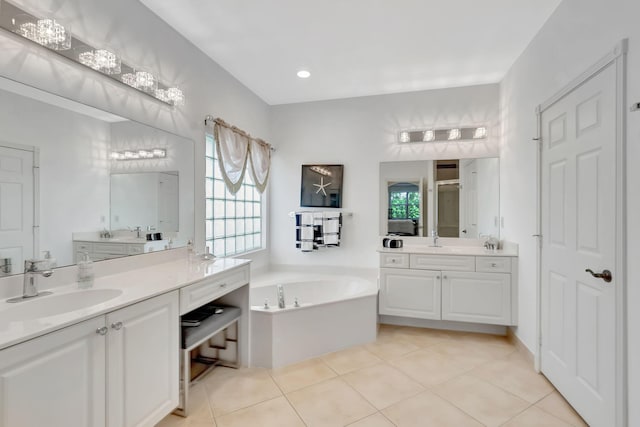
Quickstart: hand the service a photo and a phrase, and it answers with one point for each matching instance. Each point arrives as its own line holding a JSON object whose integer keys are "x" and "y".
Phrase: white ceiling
{"x": 357, "y": 47}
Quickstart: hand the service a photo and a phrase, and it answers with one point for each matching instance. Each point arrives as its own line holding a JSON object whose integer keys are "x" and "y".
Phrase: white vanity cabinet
{"x": 461, "y": 288}
{"x": 128, "y": 358}
{"x": 143, "y": 368}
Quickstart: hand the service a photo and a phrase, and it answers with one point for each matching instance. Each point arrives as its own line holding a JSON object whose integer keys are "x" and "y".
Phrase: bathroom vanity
{"x": 460, "y": 284}
{"x": 109, "y": 355}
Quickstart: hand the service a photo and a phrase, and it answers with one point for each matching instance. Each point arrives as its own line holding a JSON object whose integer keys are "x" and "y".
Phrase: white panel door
{"x": 410, "y": 293}
{"x": 142, "y": 362}
{"x": 57, "y": 380}
{"x": 476, "y": 297}
{"x": 16, "y": 207}
{"x": 579, "y": 233}
{"x": 468, "y": 199}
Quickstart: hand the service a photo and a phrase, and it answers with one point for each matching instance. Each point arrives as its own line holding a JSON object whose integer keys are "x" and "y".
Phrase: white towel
{"x": 331, "y": 228}
{"x": 306, "y": 218}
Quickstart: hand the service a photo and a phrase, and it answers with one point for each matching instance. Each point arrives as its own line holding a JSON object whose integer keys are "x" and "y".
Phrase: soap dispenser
{"x": 85, "y": 272}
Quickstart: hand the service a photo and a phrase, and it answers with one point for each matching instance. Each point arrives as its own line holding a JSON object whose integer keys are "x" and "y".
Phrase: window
{"x": 404, "y": 201}
{"x": 233, "y": 222}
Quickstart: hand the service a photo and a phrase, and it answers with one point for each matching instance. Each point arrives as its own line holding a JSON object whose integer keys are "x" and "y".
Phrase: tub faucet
{"x": 281, "y": 297}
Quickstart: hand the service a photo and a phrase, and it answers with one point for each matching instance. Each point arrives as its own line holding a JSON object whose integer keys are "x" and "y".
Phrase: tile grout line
{"x": 287, "y": 397}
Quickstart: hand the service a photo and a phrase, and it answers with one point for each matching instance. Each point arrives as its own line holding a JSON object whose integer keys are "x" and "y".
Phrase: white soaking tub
{"x": 334, "y": 312}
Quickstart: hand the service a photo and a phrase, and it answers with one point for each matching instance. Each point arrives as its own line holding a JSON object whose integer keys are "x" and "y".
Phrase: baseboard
{"x": 443, "y": 324}
{"x": 522, "y": 349}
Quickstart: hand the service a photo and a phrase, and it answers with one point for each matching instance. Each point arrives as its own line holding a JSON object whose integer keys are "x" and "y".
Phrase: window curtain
{"x": 235, "y": 149}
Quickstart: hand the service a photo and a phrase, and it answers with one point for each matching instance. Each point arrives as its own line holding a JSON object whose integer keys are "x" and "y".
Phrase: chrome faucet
{"x": 281, "y": 303}
{"x": 434, "y": 234}
{"x": 33, "y": 268}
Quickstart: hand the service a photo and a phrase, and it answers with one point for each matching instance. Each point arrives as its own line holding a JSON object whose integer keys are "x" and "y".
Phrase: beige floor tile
{"x": 331, "y": 403}
{"x": 515, "y": 377}
{"x": 464, "y": 354}
{"x": 534, "y": 417}
{"x": 557, "y": 406}
{"x": 272, "y": 413}
{"x": 421, "y": 337}
{"x": 428, "y": 367}
{"x": 231, "y": 389}
{"x": 309, "y": 372}
{"x": 388, "y": 348}
{"x": 375, "y": 420}
{"x": 485, "y": 402}
{"x": 350, "y": 359}
{"x": 382, "y": 385}
{"x": 428, "y": 410}
{"x": 176, "y": 421}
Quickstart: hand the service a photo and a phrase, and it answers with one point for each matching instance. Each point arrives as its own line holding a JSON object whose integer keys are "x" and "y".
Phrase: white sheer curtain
{"x": 234, "y": 148}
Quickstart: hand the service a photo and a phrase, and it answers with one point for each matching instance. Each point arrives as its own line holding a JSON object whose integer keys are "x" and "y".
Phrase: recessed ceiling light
{"x": 304, "y": 74}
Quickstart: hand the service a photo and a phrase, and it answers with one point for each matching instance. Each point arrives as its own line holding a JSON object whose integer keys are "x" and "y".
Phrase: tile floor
{"x": 408, "y": 377}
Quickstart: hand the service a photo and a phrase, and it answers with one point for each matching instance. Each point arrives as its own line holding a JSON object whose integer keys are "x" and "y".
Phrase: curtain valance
{"x": 235, "y": 149}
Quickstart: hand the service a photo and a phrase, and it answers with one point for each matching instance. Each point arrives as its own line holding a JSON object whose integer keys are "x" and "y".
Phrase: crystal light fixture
{"x": 47, "y": 31}
{"x": 142, "y": 154}
{"x": 443, "y": 135}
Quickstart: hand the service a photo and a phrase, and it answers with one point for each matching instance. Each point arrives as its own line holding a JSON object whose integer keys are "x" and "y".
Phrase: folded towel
{"x": 331, "y": 226}
{"x": 305, "y": 231}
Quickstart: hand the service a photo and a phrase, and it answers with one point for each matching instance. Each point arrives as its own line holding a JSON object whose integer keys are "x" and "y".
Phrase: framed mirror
{"x": 458, "y": 198}
{"x": 63, "y": 192}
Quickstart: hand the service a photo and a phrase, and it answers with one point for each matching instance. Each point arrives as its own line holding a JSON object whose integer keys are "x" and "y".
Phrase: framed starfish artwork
{"x": 321, "y": 186}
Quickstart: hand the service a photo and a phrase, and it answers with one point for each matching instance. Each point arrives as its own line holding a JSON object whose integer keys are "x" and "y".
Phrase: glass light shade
{"x": 146, "y": 81}
{"x": 429, "y": 136}
{"x": 454, "y": 134}
{"x": 25, "y": 25}
{"x": 176, "y": 96}
{"x": 53, "y": 35}
{"x": 161, "y": 94}
{"x": 480, "y": 133}
{"x": 106, "y": 62}
{"x": 129, "y": 79}
{"x": 160, "y": 153}
{"x": 404, "y": 136}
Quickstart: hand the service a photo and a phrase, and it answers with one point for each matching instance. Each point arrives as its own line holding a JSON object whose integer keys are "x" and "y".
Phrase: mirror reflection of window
{"x": 404, "y": 208}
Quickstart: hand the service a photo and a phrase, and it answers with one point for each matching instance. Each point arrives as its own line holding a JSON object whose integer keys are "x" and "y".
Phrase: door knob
{"x": 605, "y": 275}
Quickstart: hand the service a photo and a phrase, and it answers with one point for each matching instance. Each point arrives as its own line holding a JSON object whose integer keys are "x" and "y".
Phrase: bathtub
{"x": 334, "y": 312}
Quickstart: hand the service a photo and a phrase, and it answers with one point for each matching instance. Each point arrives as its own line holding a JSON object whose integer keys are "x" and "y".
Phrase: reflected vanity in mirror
{"x": 457, "y": 198}
{"x": 63, "y": 192}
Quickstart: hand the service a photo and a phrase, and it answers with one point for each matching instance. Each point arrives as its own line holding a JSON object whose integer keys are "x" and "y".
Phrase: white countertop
{"x": 136, "y": 285}
{"x": 450, "y": 250}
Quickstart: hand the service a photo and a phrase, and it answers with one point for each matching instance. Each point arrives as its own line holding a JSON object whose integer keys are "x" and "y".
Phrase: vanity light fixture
{"x": 48, "y": 32}
{"x": 142, "y": 154}
{"x": 443, "y": 135}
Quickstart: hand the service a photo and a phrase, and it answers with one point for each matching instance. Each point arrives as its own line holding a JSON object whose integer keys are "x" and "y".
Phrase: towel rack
{"x": 292, "y": 214}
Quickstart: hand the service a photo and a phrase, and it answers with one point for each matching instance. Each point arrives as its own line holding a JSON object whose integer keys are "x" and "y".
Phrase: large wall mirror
{"x": 457, "y": 198}
{"x": 62, "y": 193}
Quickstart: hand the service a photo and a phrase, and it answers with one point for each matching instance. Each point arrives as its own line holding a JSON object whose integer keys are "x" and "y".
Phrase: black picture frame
{"x": 321, "y": 186}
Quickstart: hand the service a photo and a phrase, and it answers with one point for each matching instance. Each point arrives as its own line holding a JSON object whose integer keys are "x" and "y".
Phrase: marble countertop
{"x": 135, "y": 286}
{"x": 450, "y": 250}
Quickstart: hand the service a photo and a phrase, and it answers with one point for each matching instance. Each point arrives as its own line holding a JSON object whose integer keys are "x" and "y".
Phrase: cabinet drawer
{"x": 443, "y": 262}
{"x": 394, "y": 260}
{"x": 135, "y": 249}
{"x": 84, "y": 247}
{"x": 198, "y": 294}
{"x": 110, "y": 248}
{"x": 493, "y": 264}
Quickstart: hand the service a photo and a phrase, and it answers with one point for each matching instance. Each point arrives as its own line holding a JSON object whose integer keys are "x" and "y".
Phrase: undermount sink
{"x": 47, "y": 306}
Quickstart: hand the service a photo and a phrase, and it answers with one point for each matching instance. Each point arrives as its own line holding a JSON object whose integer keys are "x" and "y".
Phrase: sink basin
{"x": 54, "y": 305}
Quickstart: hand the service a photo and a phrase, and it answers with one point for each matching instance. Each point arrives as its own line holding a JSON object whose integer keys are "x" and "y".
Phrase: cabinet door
{"x": 410, "y": 293}
{"x": 142, "y": 362}
{"x": 57, "y": 380}
{"x": 476, "y": 297}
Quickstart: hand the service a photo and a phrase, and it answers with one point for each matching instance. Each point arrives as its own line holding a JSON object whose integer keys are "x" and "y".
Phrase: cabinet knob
{"x": 444, "y": 277}
{"x": 393, "y": 260}
{"x": 493, "y": 264}
{"x": 102, "y": 331}
{"x": 117, "y": 326}
{"x": 438, "y": 277}
{"x": 223, "y": 285}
